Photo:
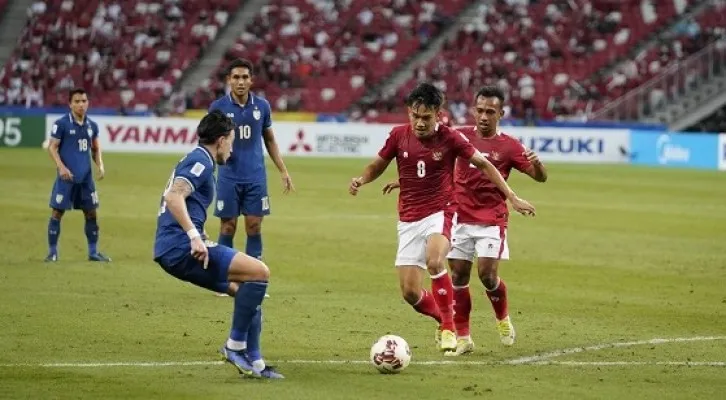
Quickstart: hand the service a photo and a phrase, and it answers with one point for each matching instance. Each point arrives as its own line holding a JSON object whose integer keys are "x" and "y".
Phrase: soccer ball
{"x": 390, "y": 354}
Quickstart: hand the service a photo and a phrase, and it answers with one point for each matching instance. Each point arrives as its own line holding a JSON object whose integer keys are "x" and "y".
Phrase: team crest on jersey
{"x": 495, "y": 156}
{"x": 257, "y": 114}
{"x": 220, "y": 205}
{"x": 437, "y": 155}
{"x": 58, "y": 198}
{"x": 90, "y": 132}
{"x": 405, "y": 154}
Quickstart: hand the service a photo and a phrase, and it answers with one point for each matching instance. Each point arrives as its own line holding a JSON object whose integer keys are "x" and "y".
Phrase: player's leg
{"x": 252, "y": 275}
{"x": 227, "y": 209}
{"x": 255, "y": 206}
{"x": 460, "y": 262}
{"x": 411, "y": 263}
{"x": 61, "y": 197}
{"x": 437, "y": 247}
{"x": 88, "y": 202}
{"x": 491, "y": 249}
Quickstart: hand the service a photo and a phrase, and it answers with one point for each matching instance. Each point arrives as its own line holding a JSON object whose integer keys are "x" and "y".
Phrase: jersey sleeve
{"x": 519, "y": 161}
{"x": 461, "y": 145}
{"x": 56, "y": 131}
{"x": 193, "y": 170}
{"x": 390, "y": 148}
{"x": 213, "y": 106}
{"x": 94, "y": 131}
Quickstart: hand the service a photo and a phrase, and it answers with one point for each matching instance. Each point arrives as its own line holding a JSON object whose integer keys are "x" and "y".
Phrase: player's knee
{"x": 253, "y": 227}
{"x": 459, "y": 277}
{"x": 488, "y": 278}
{"x": 228, "y": 226}
{"x": 411, "y": 295}
{"x": 57, "y": 214}
{"x": 262, "y": 273}
{"x": 90, "y": 214}
{"x": 435, "y": 265}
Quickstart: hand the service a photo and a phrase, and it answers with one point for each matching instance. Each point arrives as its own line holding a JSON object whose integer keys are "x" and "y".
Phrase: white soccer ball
{"x": 390, "y": 354}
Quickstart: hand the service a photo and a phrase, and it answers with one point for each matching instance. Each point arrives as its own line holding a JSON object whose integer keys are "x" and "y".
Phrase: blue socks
{"x": 253, "y": 337}
{"x": 247, "y": 303}
{"x": 226, "y": 240}
{"x": 53, "y": 234}
{"x": 254, "y": 246}
{"x": 91, "y": 229}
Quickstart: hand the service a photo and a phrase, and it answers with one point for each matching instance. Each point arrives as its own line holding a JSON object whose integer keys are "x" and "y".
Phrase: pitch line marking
{"x": 539, "y": 359}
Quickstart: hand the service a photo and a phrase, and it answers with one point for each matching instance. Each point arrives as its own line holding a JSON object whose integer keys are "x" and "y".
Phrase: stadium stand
{"x": 132, "y": 52}
{"x": 321, "y": 55}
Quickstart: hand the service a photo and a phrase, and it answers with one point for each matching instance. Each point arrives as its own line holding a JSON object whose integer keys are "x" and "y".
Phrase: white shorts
{"x": 413, "y": 236}
{"x": 484, "y": 241}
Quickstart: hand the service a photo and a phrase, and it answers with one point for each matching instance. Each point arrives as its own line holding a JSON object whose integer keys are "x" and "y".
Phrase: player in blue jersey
{"x": 73, "y": 142}
{"x": 184, "y": 253}
{"x": 242, "y": 182}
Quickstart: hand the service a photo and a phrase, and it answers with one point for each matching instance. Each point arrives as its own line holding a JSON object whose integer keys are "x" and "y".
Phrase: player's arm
{"x": 176, "y": 203}
{"x": 371, "y": 172}
{"x": 97, "y": 157}
{"x": 536, "y": 170}
{"x": 488, "y": 169}
{"x": 54, "y": 151}
{"x": 274, "y": 151}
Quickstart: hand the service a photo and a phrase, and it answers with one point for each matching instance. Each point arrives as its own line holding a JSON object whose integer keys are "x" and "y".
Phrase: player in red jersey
{"x": 425, "y": 154}
{"x": 482, "y": 216}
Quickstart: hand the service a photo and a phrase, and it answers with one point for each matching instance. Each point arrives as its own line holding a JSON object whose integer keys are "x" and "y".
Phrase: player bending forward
{"x": 182, "y": 252}
{"x": 425, "y": 154}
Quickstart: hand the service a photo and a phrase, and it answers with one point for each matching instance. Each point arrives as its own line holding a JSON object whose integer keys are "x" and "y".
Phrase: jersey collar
{"x": 73, "y": 120}
{"x": 250, "y": 99}
{"x": 209, "y": 155}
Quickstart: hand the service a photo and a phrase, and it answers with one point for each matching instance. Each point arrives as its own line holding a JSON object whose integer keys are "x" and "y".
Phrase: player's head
{"x": 239, "y": 76}
{"x": 488, "y": 109}
{"x": 424, "y": 103}
{"x": 215, "y": 132}
{"x": 78, "y": 101}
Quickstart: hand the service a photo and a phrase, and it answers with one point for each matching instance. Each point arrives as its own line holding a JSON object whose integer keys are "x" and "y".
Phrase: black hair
{"x": 427, "y": 95}
{"x": 213, "y": 126}
{"x": 240, "y": 63}
{"x": 74, "y": 92}
{"x": 491, "y": 91}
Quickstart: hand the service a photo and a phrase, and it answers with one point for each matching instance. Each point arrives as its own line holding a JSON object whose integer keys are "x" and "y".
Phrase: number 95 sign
{"x": 22, "y": 131}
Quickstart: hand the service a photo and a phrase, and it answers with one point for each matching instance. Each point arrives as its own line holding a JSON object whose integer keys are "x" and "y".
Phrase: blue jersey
{"x": 75, "y": 144}
{"x": 197, "y": 168}
{"x": 247, "y": 162}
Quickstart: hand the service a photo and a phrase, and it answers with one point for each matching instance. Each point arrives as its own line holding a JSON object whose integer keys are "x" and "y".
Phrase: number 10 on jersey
{"x": 245, "y": 132}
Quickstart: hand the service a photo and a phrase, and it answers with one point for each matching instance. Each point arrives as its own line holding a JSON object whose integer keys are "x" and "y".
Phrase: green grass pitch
{"x": 617, "y": 254}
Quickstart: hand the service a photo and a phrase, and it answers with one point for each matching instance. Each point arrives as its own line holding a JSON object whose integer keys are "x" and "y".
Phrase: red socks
{"x": 462, "y": 309}
{"x": 498, "y": 297}
{"x": 427, "y": 306}
{"x": 443, "y": 292}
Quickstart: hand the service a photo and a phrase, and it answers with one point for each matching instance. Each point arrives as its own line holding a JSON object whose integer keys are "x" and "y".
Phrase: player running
{"x": 181, "y": 251}
{"x": 72, "y": 138}
{"x": 425, "y": 154}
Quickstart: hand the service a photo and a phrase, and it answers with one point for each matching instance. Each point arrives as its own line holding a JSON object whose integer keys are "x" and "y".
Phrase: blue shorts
{"x": 235, "y": 199}
{"x": 74, "y": 195}
{"x": 191, "y": 270}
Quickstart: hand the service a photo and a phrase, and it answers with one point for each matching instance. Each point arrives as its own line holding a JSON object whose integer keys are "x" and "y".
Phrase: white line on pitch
{"x": 149, "y": 364}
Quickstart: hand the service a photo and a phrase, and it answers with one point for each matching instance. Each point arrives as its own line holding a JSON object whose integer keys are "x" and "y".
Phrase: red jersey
{"x": 478, "y": 200}
{"x": 425, "y": 169}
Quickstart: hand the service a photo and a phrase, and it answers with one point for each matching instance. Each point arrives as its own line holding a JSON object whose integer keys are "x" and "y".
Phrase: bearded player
{"x": 425, "y": 153}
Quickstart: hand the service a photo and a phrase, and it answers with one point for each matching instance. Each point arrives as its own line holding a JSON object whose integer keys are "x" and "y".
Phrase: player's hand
{"x": 287, "y": 185}
{"x": 199, "y": 251}
{"x": 65, "y": 174}
{"x": 531, "y": 156}
{"x": 101, "y": 172}
{"x": 522, "y": 206}
{"x": 390, "y": 186}
{"x": 355, "y": 184}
